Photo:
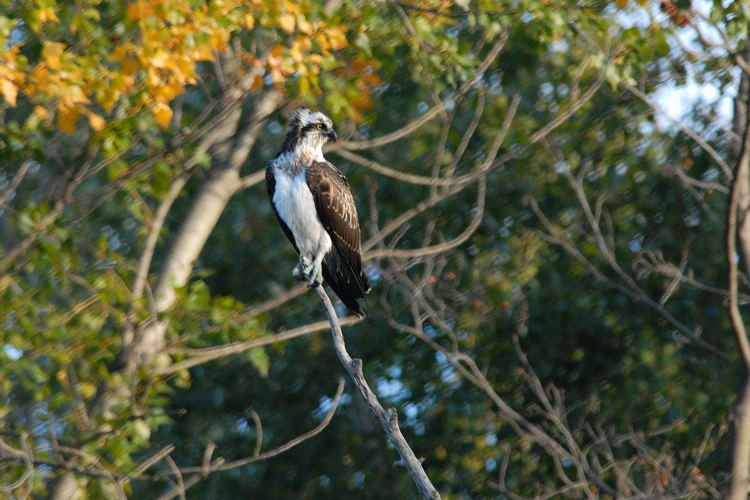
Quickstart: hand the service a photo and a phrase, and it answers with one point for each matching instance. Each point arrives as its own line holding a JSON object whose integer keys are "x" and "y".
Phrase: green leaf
{"x": 259, "y": 358}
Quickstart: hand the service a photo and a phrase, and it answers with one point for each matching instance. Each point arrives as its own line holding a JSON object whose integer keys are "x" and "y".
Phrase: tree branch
{"x": 20, "y": 174}
{"x": 149, "y": 246}
{"x": 388, "y": 419}
{"x": 200, "y": 472}
{"x": 444, "y": 246}
{"x": 738, "y": 228}
{"x": 206, "y": 354}
{"x": 685, "y": 129}
{"x": 430, "y": 114}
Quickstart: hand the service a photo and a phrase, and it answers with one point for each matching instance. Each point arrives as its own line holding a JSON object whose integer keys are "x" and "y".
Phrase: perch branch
{"x": 388, "y": 419}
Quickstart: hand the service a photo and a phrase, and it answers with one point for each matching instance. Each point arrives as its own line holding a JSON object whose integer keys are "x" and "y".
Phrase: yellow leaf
{"x": 162, "y": 113}
{"x": 40, "y": 76}
{"x": 304, "y": 42}
{"x": 295, "y": 52}
{"x": 9, "y": 91}
{"x": 202, "y": 53}
{"x": 107, "y": 98}
{"x": 159, "y": 58}
{"x": 286, "y": 22}
{"x": 40, "y": 111}
{"x": 121, "y": 51}
{"x": 153, "y": 78}
{"x": 277, "y": 50}
{"x": 96, "y": 122}
{"x": 130, "y": 65}
{"x": 219, "y": 40}
{"x": 621, "y": 3}
{"x": 249, "y": 21}
{"x": 305, "y": 26}
{"x": 168, "y": 92}
{"x": 323, "y": 42}
{"x": 336, "y": 38}
{"x": 139, "y": 10}
{"x": 51, "y": 53}
{"x": 67, "y": 119}
{"x": 86, "y": 389}
{"x": 47, "y": 14}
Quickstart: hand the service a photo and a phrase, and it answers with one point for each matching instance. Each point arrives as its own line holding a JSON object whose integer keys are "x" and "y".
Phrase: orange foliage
{"x": 157, "y": 58}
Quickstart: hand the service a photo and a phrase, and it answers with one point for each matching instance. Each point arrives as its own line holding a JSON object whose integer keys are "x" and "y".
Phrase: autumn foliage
{"x": 96, "y": 59}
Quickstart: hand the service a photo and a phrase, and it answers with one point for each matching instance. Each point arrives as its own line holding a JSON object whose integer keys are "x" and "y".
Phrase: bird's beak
{"x": 331, "y": 134}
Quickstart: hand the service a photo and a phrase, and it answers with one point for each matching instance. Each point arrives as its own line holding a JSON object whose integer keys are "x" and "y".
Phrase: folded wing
{"x": 342, "y": 266}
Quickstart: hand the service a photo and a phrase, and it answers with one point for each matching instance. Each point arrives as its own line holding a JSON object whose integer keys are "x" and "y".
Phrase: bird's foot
{"x": 315, "y": 279}
{"x": 302, "y": 270}
{"x": 307, "y": 270}
{"x": 297, "y": 274}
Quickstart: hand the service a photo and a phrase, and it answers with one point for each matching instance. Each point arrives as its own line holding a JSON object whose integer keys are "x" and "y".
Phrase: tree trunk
{"x": 203, "y": 215}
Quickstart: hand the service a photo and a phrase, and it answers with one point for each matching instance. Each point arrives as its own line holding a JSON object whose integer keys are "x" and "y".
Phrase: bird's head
{"x": 307, "y": 132}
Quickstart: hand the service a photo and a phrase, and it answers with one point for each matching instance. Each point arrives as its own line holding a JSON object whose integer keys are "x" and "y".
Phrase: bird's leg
{"x": 303, "y": 269}
{"x": 316, "y": 273}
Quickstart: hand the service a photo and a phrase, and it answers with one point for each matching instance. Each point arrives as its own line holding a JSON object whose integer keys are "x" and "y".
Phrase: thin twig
{"x": 207, "y": 467}
{"x": 153, "y": 236}
{"x": 281, "y": 449}
{"x": 430, "y": 114}
{"x": 258, "y": 432}
{"x": 689, "y": 132}
{"x": 444, "y": 246}
{"x": 20, "y": 174}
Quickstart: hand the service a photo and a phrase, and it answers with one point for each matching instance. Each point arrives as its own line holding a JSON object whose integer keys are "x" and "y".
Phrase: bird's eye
{"x": 319, "y": 126}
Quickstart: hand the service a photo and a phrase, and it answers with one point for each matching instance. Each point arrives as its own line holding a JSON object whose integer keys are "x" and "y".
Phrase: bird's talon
{"x": 313, "y": 282}
{"x": 298, "y": 275}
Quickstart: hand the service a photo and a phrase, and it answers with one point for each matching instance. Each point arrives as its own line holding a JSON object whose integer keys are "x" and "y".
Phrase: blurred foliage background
{"x": 551, "y": 324}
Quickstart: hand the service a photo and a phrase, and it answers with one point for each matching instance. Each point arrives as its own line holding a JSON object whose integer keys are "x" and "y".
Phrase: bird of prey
{"x": 316, "y": 210}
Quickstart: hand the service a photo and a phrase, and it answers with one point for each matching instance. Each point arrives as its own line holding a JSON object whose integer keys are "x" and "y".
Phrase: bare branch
{"x": 206, "y": 354}
{"x": 445, "y": 246}
{"x": 430, "y": 114}
{"x": 687, "y": 180}
{"x": 202, "y": 471}
{"x": 649, "y": 261}
{"x": 275, "y": 302}
{"x": 388, "y": 419}
{"x": 252, "y": 179}
{"x": 689, "y": 132}
{"x": 397, "y": 174}
{"x": 738, "y": 228}
{"x": 27, "y": 456}
{"x": 153, "y": 459}
{"x": 258, "y": 433}
{"x": 153, "y": 236}
{"x": 17, "y": 178}
{"x": 436, "y": 198}
{"x": 286, "y": 446}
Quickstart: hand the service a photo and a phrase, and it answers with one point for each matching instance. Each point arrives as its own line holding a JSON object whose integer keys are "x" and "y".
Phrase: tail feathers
{"x": 349, "y": 285}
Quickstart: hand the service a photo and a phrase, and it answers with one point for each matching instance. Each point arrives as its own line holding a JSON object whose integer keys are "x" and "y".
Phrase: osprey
{"x": 313, "y": 203}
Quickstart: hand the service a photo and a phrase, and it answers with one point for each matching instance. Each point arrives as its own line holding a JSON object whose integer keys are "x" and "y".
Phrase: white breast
{"x": 294, "y": 202}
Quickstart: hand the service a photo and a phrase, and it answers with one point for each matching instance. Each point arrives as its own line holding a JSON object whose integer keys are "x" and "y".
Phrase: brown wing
{"x": 271, "y": 188}
{"x": 337, "y": 212}
{"x": 336, "y": 209}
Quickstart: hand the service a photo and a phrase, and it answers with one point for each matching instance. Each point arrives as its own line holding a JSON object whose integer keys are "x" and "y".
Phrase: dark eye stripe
{"x": 313, "y": 126}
